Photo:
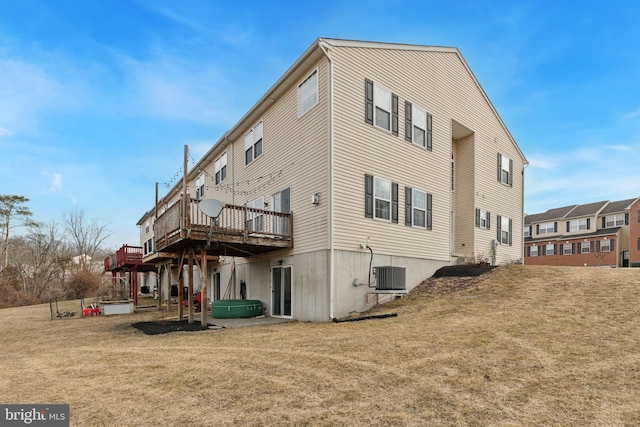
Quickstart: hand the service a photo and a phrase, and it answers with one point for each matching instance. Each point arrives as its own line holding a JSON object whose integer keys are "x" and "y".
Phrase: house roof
{"x": 551, "y": 214}
{"x": 619, "y": 206}
{"x": 589, "y": 209}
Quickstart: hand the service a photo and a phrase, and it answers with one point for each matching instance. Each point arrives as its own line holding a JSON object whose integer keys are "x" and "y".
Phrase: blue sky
{"x": 98, "y": 98}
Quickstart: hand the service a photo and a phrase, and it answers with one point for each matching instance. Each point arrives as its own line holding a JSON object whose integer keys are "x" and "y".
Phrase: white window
{"x": 253, "y": 144}
{"x": 546, "y": 228}
{"x": 200, "y": 186}
{"x": 505, "y": 169}
{"x": 382, "y": 107}
{"x": 255, "y": 220}
{"x": 578, "y": 224}
{"x": 483, "y": 219}
{"x": 605, "y": 246}
{"x": 614, "y": 220}
{"x": 382, "y": 198}
{"x": 146, "y": 227}
{"x": 504, "y": 230}
{"x": 566, "y": 249}
{"x": 308, "y": 94}
{"x": 550, "y": 249}
{"x": 419, "y": 132}
{"x": 419, "y": 208}
{"x": 221, "y": 168}
{"x": 533, "y": 250}
{"x": 585, "y": 247}
{"x": 526, "y": 232}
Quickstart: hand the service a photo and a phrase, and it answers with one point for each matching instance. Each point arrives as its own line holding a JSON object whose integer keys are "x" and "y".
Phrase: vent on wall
{"x": 390, "y": 278}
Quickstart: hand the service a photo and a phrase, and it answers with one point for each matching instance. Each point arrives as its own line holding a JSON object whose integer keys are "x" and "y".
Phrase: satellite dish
{"x": 211, "y": 207}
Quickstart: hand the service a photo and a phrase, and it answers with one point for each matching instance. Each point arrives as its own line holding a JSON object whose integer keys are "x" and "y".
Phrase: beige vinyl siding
{"x": 295, "y": 154}
{"x": 464, "y": 198}
{"x": 440, "y": 83}
{"x": 364, "y": 149}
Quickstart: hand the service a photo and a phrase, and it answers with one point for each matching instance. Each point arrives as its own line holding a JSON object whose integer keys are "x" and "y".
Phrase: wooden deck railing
{"x": 174, "y": 225}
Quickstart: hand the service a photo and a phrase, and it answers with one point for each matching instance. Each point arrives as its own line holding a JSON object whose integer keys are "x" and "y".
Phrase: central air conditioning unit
{"x": 390, "y": 278}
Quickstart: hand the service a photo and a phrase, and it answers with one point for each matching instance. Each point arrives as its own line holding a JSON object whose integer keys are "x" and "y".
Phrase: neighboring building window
{"x": 308, "y": 94}
{"x": 533, "y": 250}
{"x": 255, "y": 220}
{"x": 221, "y": 168}
{"x": 418, "y": 209}
{"x": 418, "y": 126}
{"x": 381, "y": 198}
{"x": 146, "y": 227}
{"x": 504, "y": 230}
{"x": 605, "y": 245}
{"x": 550, "y": 249}
{"x": 253, "y": 144}
{"x": 547, "y": 228}
{"x": 505, "y": 169}
{"x": 200, "y": 186}
{"x": 585, "y": 247}
{"x": 483, "y": 219}
{"x": 567, "y": 249}
{"x": 614, "y": 220}
{"x": 381, "y": 107}
{"x": 526, "y": 232}
{"x": 578, "y": 224}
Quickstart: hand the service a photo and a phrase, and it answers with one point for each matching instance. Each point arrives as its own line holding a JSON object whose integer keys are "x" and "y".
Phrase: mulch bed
{"x": 463, "y": 270}
{"x": 164, "y": 327}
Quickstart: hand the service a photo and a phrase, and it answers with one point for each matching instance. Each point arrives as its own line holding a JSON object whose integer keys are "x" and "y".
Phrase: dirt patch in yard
{"x": 164, "y": 327}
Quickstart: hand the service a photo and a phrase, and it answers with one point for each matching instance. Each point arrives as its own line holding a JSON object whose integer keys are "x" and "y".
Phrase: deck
{"x": 238, "y": 230}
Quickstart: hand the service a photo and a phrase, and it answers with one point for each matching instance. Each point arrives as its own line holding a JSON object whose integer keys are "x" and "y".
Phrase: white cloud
{"x": 5, "y": 132}
{"x": 632, "y": 115}
{"x": 54, "y": 181}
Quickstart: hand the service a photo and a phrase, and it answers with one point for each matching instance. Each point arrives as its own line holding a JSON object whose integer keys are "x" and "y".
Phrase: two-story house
{"x": 595, "y": 234}
{"x": 365, "y": 168}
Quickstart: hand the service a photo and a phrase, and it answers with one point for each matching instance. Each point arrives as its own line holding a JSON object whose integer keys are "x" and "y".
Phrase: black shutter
{"x": 567, "y": 226}
{"x": 408, "y": 129}
{"x": 498, "y": 226}
{"x": 626, "y": 218}
{"x": 588, "y": 223}
{"x": 499, "y": 168}
{"x": 394, "y": 114}
{"x": 368, "y": 105}
{"x": 597, "y": 245}
{"x": 368, "y": 196}
{"x": 537, "y": 229}
{"x": 429, "y": 211}
{"x": 477, "y": 217}
{"x": 604, "y": 222}
{"x": 591, "y": 246}
{"x": 407, "y": 206}
{"x": 554, "y": 249}
{"x": 488, "y": 220}
{"x": 394, "y": 202}
{"x": 612, "y": 246}
{"x": 510, "y": 173}
{"x": 429, "y": 135}
{"x": 573, "y": 248}
{"x": 510, "y": 231}
{"x": 555, "y": 227}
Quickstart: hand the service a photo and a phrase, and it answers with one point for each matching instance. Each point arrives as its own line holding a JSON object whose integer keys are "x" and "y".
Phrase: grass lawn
{"x": 520, "y": 345}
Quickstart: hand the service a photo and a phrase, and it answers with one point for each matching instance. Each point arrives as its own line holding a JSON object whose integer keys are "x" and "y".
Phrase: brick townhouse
{"x": 594, "y": 234}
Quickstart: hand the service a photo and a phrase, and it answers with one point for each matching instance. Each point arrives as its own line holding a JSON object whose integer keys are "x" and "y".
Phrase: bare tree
{"x": 44, "y": 256}
{"x": 85, "y": 238}
{"x": 13, "y": 214}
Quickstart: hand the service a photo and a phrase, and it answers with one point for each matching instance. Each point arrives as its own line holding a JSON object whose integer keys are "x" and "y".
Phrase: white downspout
{"x": 325, "y": 48}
